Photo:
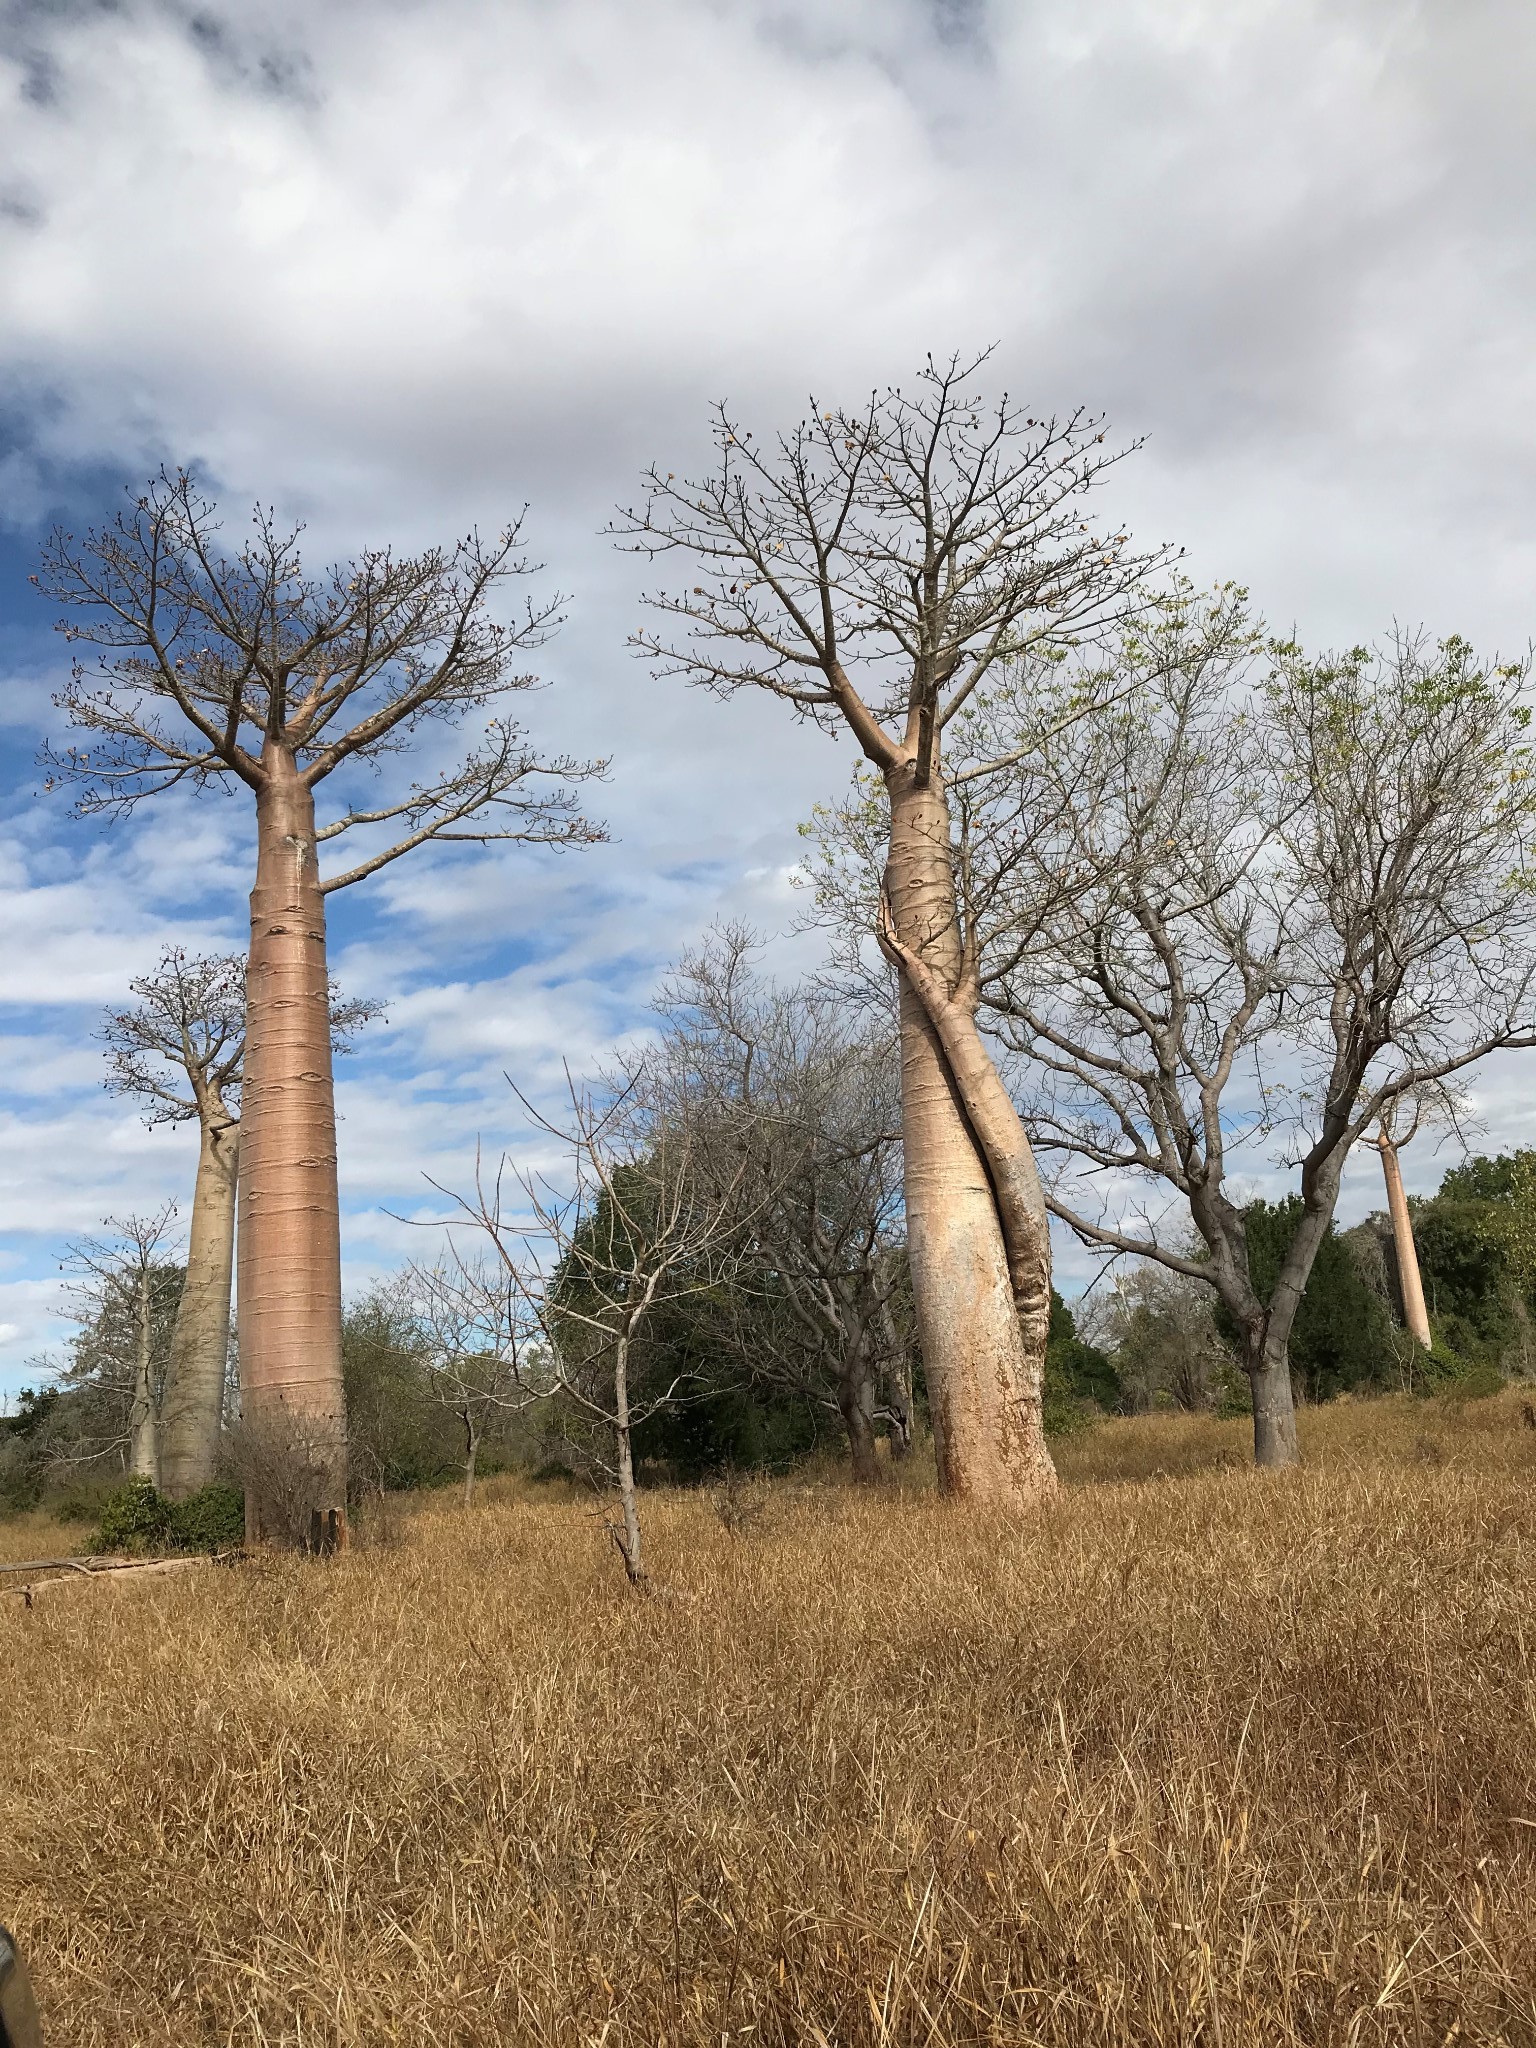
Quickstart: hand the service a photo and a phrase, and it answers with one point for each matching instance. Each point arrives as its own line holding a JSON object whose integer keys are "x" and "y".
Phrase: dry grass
{"x": 1222, "y": 1759}
{"x": 39, "y": 1535}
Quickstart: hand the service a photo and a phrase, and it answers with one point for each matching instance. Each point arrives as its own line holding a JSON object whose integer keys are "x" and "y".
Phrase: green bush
{"x": 1445, "y": 1370}
{"x": 1080, "y": 1380}
{"x": 211, "y": 1519}
{"x": 136, "y": 1518}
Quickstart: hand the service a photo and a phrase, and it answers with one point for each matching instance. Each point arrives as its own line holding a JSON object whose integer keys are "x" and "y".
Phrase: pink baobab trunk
{"x": 1415, "y": 1314}
{"x": 292, "y": 1400}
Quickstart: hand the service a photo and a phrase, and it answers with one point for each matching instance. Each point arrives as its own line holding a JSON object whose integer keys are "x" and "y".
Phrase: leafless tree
{"x": 1251, "y": 909}
{"x": 480, "y": 1363}
{"x": 591, "y": 1260}
{"x": 1167, "y": 1349}
{"x": 235, "y": 666}
{"x": 122, "y": 1294}
{"x": 795, "y": 1101}
{"x": 181, "y": 1050}
{"x": 875, "y": 567}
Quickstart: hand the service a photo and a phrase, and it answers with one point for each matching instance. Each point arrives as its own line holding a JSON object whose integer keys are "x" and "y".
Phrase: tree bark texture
{"x": 898, "y": 1401}
{"x": 629, "y": 1543}
{"x": 977, "y": 1233}
{"x": 143, "y": 1437}
{"x": 1274, "y": 1406}
{"x": 471, "y": 1455}
{"x": 856, "y": 1402}
{"x": 192, "y": 1412}
{"x": 289, "y": 1234}
{"x": 1409, "y": 1279}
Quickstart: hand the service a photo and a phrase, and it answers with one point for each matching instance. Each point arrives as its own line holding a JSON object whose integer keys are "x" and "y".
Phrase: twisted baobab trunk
{"x": 978, "y": 1236}
{"x": 193, "y": 1408}
{"x": 292, "y": 1400}
{"x": 1409, "y": 1279}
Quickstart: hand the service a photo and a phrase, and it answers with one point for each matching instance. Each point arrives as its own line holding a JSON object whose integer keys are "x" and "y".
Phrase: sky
{"x": 399, "y": 267}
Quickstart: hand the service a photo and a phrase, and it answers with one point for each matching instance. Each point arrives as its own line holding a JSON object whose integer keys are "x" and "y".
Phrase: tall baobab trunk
{"x": 143, "y": 1437}
{"x": 1409, "y": 1279}
{"x": 193, "y": 1408}
{"x": 977, "y": 1231}
{"x": 292, "y": 1397}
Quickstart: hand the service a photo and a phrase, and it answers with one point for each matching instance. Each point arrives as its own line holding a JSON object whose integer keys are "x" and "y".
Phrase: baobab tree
{"x": 874, "y": 567}
{"x": 1410, "y": 1280}
{"x": 224, "y": 667}
{"x": 181, "y": 1050}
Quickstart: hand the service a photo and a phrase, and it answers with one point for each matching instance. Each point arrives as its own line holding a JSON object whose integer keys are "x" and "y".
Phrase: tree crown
{"x": 214, "y": 663}
{"x": 873, "y": 565}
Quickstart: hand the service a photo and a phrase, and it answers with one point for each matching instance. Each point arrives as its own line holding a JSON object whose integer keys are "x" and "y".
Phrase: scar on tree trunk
{"x": 292, "y": 1397}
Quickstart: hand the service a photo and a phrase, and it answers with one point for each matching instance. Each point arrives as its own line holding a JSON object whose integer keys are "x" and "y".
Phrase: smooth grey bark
{"x": 143, "y": 1434}
{"x": 628, "y": 1543}
{"x": 1274, "y": 1407}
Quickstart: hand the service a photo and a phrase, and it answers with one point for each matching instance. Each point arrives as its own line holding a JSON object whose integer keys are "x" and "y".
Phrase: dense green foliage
{"x": 136, "y": 1519}
{"x": 1343, "y": 1340}
{"x": 401, "y": 1431}
{"x": 718, "y": 1367}
{"x": 1080, "y": 1380}
{"x": 23, "y": 1439}
{"x": 1477, "y": 1252}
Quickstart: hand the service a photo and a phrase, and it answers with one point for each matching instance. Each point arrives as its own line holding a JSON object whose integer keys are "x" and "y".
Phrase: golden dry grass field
{"x": 1193, "y": 1756}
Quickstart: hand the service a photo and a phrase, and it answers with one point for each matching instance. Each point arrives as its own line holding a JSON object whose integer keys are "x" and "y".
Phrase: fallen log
{"x": 58, "y": 1564}
{"x": 119, "y": 1571}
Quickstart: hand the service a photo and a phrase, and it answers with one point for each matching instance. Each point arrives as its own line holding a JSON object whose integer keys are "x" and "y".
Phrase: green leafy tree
{"x": 1079, "y": 1378}
{"x": 1343, "y": 1338}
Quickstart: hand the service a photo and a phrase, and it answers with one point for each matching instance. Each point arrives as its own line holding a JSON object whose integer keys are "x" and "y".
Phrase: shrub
{"x": 81, "y": 1501}
{"x": 136, "y": 1518}
{"x": 1448, "y": 1370}
{"x": 211, "y": 1519}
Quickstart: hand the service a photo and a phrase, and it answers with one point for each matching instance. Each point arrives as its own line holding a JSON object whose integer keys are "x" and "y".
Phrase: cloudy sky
{"x": 400, "y": 266}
